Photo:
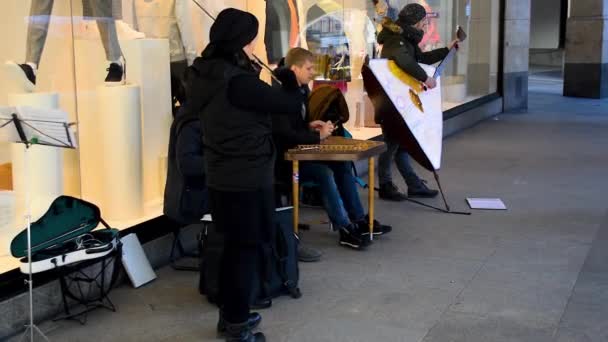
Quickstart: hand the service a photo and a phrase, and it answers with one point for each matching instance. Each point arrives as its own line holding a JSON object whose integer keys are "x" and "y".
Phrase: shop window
{"x": 122, "y": 132}
{"x": 122, "y": 112}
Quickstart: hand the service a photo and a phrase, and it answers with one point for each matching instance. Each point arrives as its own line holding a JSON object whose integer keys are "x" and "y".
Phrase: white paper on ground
{"x": 135, "y": 261}
{"x": 486, "y": 203}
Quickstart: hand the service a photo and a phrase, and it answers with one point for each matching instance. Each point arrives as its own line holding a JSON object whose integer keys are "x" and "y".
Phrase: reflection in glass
{"x": 341, "y": 33}
{"x": 37, "y": 71}
{"x": 282, "y": 28}
{"x": 326, "y": 39}
{"x": 472, "y": 73}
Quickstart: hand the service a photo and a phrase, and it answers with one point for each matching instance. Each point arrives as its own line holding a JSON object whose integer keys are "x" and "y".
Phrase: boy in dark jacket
{"x": 400, "y": 41}
{"x": 336, "y": 180}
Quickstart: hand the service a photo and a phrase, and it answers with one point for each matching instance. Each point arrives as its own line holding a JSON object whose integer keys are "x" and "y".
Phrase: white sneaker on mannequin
{"x": 126, "y": 32}
{"x": 87, "y": 29}
{"x": 21, "y": 76}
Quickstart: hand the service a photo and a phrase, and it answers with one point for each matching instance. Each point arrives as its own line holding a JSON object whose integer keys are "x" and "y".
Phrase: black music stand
{"x": 34, "y": 126}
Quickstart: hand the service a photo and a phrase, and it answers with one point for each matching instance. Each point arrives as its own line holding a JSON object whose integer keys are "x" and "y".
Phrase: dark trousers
{"x": 397, "y": 153}
{"x": 246, "y": 219}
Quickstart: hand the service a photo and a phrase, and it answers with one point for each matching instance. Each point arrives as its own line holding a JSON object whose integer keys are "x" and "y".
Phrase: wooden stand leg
{"x": 371, "y": 197}
{"x": 296, "y": 195}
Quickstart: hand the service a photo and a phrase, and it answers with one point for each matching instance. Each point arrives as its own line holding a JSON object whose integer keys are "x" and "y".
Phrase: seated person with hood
{"x": 400, "y": 41}
{"x": 336, "y": 179}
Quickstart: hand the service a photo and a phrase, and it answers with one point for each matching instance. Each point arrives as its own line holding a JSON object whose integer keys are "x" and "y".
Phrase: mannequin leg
{"x": 38, "y": 27}
{"x": 102, "y": 10}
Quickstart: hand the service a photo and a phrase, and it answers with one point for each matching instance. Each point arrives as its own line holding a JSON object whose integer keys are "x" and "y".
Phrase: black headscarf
{"x": 232, "y": 30}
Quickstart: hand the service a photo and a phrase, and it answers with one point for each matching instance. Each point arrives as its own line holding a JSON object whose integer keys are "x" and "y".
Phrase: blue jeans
{"x": 402, "y": 159}
{"x": 338, "y": 188}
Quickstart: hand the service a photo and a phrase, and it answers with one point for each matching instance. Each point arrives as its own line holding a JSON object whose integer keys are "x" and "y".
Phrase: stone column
{"x": 516, "y": 54}
{"x": 586, "y": 65}
{"x": 480, "y": 34}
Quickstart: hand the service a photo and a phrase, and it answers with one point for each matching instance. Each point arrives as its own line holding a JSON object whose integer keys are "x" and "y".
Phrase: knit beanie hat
{"x": 411, "y": 14}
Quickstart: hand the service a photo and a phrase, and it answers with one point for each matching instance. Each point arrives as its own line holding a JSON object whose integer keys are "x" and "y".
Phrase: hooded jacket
{"x": 400, "y": 44}
{"x": 328, "y": 103}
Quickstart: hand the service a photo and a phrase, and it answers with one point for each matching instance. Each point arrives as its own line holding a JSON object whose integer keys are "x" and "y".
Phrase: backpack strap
{"x": 358, "y": 179}
{"x": 182, "y": 120}
{"x": 281, "y": 256}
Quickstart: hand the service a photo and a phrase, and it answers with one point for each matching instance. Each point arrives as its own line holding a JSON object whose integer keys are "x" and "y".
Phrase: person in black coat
{"x": 235, "y": 111}
{"x": 400, "y": 41}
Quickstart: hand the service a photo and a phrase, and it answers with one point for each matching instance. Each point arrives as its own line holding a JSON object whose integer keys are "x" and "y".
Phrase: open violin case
{"x": 65, "y": 235}
{"x": 65, "y": 241}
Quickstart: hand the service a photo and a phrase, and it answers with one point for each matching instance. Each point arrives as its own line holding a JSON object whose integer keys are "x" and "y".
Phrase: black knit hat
{"x": 411, "y": 14}
{"x": 233, "y": 29}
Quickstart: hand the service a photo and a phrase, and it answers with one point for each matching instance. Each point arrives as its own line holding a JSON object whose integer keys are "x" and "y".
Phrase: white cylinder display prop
{"x": 8, "y": 229}
{"x": 120, "y": 135}
{"x": 37, "y": 100}
{"x": 44, "y": 163}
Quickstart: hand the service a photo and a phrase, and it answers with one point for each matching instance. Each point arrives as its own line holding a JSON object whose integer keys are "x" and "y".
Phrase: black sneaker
{"x": 22, "y": 74}
{"x": 379, "y": 228}
{"x": 390, "y": 192}
{"x": 115, "y": 75}
{"x": 350, "y": 237}
{"x": 419, "y": 189}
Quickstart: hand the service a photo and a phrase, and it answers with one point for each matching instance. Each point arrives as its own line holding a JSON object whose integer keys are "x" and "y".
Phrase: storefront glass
{"x": 122, "y": 131}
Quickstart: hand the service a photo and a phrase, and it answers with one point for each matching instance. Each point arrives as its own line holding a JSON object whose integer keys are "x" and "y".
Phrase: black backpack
{"x": 278, "y": 271}
{"x": 183, "y": 203}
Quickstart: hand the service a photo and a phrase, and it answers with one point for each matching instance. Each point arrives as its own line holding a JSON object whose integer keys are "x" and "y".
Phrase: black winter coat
{"x": 292, "y": 129}
{"x": 400, "y": 44}
{"x": 236, "y": 123}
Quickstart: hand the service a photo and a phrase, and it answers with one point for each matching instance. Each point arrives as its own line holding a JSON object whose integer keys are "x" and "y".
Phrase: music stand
{"x": 34, "y": 126}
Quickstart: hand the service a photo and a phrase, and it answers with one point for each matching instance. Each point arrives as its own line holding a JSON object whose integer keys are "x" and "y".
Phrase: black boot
{"x": 389, "y": 191}
{"x": 242, "y": 333}
{"x": 115, "y": 75}
{"x": 419, "y": 189}
{"x": 254, "y": 321}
